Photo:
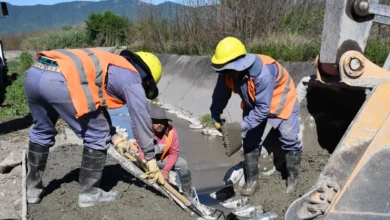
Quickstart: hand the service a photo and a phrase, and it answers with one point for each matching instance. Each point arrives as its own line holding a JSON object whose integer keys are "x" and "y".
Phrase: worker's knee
{"x": 98, "y": 146}
{"x": 292, "y": 146}
{"x": 96, "y": 131}
{"x": 161, "y": 164}
{"x": 250, "y": 148}
{"x": 253, "y": 136}
{"x": 290, "y": 140}
{"x": 181, "y": 166}
{"x": 43, "y": 137}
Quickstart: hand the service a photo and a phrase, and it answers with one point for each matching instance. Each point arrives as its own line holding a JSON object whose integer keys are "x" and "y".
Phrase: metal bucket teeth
{"x": 248, "y": 211}
{"x": 234, "y": 203}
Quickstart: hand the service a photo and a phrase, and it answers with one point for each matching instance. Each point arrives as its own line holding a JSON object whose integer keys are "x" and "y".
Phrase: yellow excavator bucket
{"x": 354, "y": 182}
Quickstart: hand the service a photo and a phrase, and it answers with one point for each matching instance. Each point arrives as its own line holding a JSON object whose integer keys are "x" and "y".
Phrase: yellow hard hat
{"x": 228, "y": 49}
{"x": 153, "y": 64}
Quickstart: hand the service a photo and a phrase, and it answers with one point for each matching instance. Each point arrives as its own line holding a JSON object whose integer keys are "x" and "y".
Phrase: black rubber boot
{"x": 37, "y": 158}
{"x": 251, "y": 172}
{"x": 90, "y": 176}
{"x": 186, "y": 184}
{"x": 293, "y": 162}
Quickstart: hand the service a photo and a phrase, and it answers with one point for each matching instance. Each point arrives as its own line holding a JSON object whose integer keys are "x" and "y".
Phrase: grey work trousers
{"x": 181, "y": 166}
{"x": 289, "y": 130}
{"x": 48, "y": 98}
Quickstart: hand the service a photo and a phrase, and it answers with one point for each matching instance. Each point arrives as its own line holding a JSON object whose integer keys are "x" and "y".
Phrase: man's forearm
{"x": 141, "y": 122}
{"x": 220, "y": 98}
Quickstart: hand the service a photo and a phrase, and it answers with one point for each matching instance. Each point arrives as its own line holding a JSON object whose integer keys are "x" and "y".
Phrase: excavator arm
{"x": 346, "y": 29}
{"x": 354, "y": 183}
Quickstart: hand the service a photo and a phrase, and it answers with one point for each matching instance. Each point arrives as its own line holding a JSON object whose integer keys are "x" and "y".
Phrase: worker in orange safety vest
{"x": 80, "y": 85}
{"x": 167, "y": 150}
{"x": 268, "y": 94}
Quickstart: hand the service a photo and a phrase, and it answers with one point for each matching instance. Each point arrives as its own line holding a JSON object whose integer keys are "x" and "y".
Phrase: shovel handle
{"x": 182, "y": 199}
{"x": 170, "y": 189}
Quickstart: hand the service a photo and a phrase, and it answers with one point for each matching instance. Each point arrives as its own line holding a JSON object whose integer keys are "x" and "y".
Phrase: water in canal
{"x": 205, "y": 155}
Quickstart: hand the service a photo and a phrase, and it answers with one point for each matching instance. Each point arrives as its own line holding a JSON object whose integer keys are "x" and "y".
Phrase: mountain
{"x": 38, "y": 17}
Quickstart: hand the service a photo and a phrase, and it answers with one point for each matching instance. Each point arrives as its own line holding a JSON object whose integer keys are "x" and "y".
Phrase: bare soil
{"x": 137, "y": 201}
{"x": 13, "y": 139}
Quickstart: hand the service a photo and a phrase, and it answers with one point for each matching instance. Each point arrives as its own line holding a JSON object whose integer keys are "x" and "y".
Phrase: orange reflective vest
{"x": 85, "y": 71}
{"x": 168, "y": 143}
{"x": 284, "y": 95}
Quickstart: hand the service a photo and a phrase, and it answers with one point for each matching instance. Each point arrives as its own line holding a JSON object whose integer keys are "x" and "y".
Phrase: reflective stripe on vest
{"x": 82, "y": 77}
{"x": 98, "y": 78}
{"x": 284, "y": 95}
{"x": 168, "y": 143}
{"x": 85, "y": 71}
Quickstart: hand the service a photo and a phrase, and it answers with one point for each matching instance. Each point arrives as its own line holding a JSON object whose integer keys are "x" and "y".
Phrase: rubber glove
{"x": 218, "y": 122}
{"x": 153, "y": 173}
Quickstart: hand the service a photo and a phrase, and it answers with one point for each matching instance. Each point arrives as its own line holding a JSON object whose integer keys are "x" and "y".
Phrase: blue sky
{"x": 51, "y": 2}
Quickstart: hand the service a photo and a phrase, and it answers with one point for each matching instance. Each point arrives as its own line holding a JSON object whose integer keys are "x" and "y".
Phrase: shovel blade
{"x": 231, "y": 137}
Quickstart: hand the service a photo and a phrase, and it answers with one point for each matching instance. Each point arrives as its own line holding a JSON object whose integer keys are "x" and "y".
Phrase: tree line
{"x": 286, "y": 29}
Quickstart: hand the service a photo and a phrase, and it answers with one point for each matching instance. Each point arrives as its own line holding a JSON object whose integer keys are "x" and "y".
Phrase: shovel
{"x": 231, "y": 138}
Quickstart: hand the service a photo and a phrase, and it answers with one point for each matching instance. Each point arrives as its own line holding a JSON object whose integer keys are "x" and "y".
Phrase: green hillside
{"x": 38, "y": 17}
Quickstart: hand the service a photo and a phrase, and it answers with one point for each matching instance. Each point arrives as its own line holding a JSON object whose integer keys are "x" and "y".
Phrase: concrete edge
{"x": 24, "y": 193}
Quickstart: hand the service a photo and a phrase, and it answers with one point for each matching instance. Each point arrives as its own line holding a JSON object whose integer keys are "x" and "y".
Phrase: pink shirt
{"x": 173, "y": 152}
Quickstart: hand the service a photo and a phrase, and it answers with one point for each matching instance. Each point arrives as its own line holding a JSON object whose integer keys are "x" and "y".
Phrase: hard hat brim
{"x": 240, "y": 64}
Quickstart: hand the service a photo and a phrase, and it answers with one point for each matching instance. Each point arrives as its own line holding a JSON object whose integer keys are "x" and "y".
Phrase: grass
{"x": 56, "y": 39}
{"x": 206, "y": 120}
{"x": 377, "y": 51}
{"x": 285, "y": 47}
{"x": 15, "y": 103}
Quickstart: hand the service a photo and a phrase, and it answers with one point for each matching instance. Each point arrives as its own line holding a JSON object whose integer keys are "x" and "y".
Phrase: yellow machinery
{"x": 355, "y": 183}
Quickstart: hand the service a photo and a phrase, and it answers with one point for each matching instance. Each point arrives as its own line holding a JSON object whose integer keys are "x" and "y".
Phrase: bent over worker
{"x": 167, "y": 150}
{"x": 79, "y": 85}
{"x": 268, "y": 94}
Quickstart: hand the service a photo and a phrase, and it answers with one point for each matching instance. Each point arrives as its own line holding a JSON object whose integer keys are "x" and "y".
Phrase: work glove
{"x": 125, "y": 147}
{"x": 153, "y": 173}
{"x": 217, "y": 122}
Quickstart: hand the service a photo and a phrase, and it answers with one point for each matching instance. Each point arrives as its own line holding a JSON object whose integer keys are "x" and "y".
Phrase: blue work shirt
{"x": 254, "y": 113}
{"x": 126, "y": 85}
